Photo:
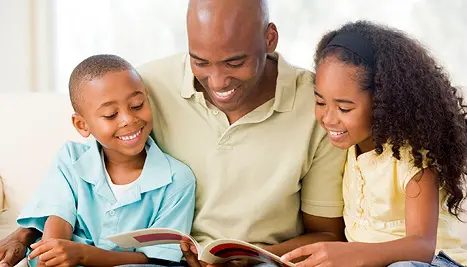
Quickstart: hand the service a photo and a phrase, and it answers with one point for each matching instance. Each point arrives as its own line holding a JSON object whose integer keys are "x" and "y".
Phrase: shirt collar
{"x": 285, "y": 88}
{"x": 156, "y": 172}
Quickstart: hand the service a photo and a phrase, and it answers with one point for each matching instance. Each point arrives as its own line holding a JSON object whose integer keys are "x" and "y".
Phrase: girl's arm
{"x": 421, "y": 215}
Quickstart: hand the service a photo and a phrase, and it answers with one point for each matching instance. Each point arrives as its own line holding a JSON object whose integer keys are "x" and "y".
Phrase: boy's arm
{"x": 56, "y": 227}
{"x": 54, "y": 252}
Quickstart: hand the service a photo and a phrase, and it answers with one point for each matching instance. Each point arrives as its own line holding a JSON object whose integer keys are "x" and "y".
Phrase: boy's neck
{"x": 115, "y": 160}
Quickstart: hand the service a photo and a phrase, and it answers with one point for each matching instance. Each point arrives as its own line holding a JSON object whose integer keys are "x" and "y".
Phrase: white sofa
{"x": 33, "y": 127}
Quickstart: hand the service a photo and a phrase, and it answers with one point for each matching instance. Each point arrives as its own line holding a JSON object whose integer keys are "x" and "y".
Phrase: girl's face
{"x": 343, "y": 109}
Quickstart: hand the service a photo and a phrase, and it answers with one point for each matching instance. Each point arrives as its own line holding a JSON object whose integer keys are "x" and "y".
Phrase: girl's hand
{"x": 329, "y": 254}
{"x": 57, "y": 252}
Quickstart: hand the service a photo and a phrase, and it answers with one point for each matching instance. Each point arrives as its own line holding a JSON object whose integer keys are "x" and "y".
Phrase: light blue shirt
{"x": 77, "y": 191}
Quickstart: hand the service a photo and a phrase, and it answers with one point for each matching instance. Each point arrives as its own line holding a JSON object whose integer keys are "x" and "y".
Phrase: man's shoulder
{"x": 167, "y": 65}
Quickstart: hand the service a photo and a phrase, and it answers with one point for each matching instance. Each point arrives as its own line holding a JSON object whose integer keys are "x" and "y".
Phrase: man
{"x": 242, "y": 118}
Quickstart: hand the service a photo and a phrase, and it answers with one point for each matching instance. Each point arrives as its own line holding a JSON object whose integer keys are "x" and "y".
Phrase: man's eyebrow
{"x": 196, "y": 57}
{"x": 234, "y": 58}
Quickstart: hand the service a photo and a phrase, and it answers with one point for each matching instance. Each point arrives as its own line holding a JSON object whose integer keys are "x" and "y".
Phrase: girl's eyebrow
{"x": 337, "y": 100}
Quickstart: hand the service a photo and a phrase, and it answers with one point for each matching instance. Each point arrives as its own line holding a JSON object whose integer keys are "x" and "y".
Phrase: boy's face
{"x": 115, "y": 110}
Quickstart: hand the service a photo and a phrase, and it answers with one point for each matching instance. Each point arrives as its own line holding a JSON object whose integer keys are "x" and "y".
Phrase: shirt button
{"x": 215, "y": 112}
{"x": 112, "y": 213}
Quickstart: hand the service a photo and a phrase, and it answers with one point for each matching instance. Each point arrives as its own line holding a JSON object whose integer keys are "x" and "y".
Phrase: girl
{"x": 380, "y": 95}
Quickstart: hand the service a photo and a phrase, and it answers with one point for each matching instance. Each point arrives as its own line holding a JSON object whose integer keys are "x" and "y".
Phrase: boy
{"x": 119, "y": 181}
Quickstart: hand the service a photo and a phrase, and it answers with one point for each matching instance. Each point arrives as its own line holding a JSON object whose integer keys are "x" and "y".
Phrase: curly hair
{"x": 414, "y": 103}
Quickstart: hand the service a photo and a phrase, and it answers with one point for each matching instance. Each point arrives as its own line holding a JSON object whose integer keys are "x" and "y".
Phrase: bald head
{"x": 227, "y": 16}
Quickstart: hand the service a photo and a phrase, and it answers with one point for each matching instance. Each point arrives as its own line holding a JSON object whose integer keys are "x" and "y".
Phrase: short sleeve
{"x": 321, "y": 192}
{"x": 177, "y": 212}
{"x": 54, "y": 197}
{"x": 406, "y": 168}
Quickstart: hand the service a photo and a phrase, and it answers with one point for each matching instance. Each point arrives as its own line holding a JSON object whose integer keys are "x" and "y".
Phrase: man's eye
{"x": 235, "y": 64}
{"x": 201, "y": 64}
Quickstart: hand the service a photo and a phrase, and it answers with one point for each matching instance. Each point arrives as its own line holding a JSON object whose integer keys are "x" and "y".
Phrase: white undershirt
{"x": 117, "y": 189}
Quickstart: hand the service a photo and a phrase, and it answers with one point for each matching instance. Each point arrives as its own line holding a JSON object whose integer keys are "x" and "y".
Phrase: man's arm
{"x": 321, "y": 196}
{"x": 13, "y": 247}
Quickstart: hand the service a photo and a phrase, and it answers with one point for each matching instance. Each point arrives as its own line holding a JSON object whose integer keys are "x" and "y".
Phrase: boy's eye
{"x": 109, "y": 117}
{"x": 319, "y": 103}
{"x": 344, "y": 110}
{"x": 138, "y": 107}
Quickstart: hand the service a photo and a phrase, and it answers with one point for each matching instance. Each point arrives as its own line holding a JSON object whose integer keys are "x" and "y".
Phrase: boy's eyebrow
{"x": 110, "y": 103}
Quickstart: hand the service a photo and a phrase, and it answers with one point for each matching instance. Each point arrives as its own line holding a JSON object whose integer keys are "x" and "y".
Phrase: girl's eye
{"x": 319, "y": 103}
{"x": 344, "y": 110}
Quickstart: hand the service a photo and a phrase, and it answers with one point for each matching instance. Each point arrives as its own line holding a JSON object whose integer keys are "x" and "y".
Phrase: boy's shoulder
{"x": 181, "y": 173}
{"x": 71, "y": 151}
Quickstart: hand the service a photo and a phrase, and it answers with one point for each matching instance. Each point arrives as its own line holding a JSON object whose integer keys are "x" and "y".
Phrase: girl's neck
{"x": 365, "y": 146}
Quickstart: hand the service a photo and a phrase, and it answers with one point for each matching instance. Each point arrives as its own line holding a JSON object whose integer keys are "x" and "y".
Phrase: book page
{"x": 224, "y": 250}
{"x": 150, "y": 237}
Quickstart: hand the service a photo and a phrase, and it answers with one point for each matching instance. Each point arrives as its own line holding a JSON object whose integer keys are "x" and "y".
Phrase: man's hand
{"x": 191, "y": 255}
{"x": 326, "y": 254}
{"x": 12, "y": 251}
{"x": 53, "y": 252}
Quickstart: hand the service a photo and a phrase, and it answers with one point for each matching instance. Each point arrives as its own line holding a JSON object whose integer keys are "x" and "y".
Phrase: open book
{"x": 218, "y": 251}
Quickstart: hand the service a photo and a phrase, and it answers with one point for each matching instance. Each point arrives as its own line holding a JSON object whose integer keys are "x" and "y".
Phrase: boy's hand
{"x": 54, "y": 252}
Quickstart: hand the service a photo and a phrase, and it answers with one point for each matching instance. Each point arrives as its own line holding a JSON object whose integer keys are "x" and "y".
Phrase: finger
{"x": 56, "y": 261}
{"x": 39, "y": 251}
{"x": 40, "y": 243}
{"x": 190, "y": 257}
{"x": 8, "y": 258}
{"x": 298, "y": 252}
{"x": 48, "y": 255}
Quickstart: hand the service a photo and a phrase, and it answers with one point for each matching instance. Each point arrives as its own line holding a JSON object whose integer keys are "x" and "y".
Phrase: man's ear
{"x": 80, "y": 125}
{"x": 272, "y": 38}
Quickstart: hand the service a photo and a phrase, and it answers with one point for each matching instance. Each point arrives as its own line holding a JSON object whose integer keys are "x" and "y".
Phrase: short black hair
{"x": 91, "y": 68}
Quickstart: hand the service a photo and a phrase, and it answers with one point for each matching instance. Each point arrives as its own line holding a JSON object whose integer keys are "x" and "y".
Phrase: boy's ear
{"x": 80, "y": 125}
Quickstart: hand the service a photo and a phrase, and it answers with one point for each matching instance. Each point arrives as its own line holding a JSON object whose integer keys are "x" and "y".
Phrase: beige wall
{"x": 25, "y": 45}
{"x": 15, "y": 46}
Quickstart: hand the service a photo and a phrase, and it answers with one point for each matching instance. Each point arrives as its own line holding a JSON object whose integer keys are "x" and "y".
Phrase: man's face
{"x": 115, "y": 110}
{"x": 228, "y": 65}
